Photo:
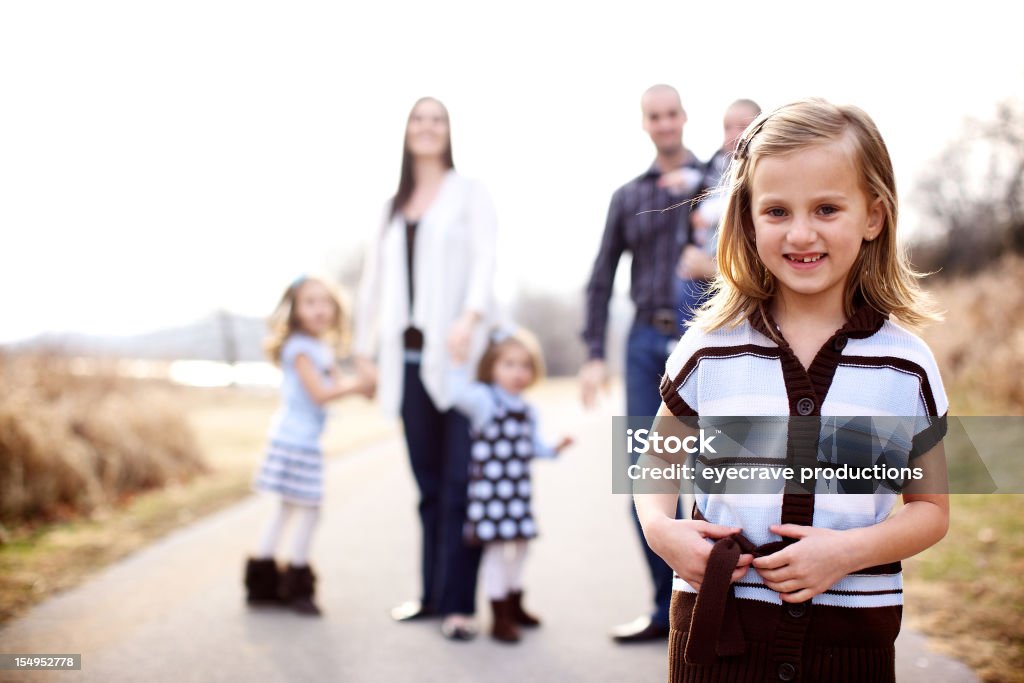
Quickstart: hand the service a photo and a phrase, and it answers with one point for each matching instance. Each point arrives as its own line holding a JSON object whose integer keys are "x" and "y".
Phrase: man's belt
{"x": 664, "y": 320}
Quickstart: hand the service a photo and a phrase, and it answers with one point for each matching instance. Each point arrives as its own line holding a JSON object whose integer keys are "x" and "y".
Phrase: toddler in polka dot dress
{"x": 505, "y": 438}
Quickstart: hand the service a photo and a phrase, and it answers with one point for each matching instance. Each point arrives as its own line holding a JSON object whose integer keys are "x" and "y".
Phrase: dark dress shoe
{"x": 413, "y": 610}
{"x": 640, "y": 630}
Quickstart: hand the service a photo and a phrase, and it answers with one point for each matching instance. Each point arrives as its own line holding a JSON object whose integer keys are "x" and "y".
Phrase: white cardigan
{"x": 453, "y": 266}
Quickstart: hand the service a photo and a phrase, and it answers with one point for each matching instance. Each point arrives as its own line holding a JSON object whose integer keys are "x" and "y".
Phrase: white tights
{"x": 502, "y": 567}
{"x": 306, "y": 518}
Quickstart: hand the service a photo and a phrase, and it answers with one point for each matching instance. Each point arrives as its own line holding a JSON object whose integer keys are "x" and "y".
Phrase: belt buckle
{"x": 665, "y": 321}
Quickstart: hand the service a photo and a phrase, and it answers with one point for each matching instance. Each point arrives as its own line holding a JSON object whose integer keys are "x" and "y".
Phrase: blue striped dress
{"x": 293, "y": 464}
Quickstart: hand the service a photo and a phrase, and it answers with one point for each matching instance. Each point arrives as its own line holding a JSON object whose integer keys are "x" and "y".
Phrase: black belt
{"x": 664, "y": 320}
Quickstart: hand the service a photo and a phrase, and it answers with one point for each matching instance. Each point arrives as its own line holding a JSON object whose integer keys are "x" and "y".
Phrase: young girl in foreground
{"x": 810, "y": 272}
{"x": 505, "y": 437}
{"x": 306, "y": 327}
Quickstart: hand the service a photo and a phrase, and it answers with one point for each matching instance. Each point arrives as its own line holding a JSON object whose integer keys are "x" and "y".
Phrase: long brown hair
{"x": 406, "y": 183}
{"x": 881, "y": 276}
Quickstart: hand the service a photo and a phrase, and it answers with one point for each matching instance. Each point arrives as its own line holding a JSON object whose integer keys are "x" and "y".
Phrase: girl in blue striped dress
{"x": 306, "y": 329}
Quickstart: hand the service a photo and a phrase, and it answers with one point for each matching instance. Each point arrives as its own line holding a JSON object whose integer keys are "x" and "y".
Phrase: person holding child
{"x": 802, "y": 585}
{"x": 506, "y": 436}
{"x": 306, "y": 329}
{"x": 424, "y": 304}
{"x": 696, "y": 265}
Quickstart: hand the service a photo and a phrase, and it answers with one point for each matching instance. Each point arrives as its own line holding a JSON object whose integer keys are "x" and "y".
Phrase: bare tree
{"x": 974, "y": 195}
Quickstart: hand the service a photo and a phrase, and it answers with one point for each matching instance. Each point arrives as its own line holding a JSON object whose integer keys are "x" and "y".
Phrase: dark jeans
{"x": 646, "y": 352}
{"x": 438, "y": 444}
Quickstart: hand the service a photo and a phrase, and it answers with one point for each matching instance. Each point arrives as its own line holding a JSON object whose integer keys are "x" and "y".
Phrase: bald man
{"x": 655, "y": 238}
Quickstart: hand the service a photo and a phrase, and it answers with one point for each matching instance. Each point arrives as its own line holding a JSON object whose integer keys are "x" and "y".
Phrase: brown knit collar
{"x": 865, "y": 321}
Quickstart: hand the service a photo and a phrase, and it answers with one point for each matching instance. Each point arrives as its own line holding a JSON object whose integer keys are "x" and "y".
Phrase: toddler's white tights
{"x": 502, "y": 567}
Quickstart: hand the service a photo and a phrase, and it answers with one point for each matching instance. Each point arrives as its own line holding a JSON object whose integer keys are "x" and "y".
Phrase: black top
{"x": 413, "y": 338}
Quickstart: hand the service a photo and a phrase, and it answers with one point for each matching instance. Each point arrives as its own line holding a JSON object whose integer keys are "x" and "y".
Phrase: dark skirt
{"x": 840, "y": 645}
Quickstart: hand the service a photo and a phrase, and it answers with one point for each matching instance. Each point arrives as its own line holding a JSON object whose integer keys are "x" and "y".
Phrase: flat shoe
{"x": 641, "y": 630}
{"x": 457, "y": 632}
{"x": 412, "y": 610}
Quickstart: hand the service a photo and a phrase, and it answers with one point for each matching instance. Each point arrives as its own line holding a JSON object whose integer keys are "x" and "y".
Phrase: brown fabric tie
{"x": 715, "y": 629}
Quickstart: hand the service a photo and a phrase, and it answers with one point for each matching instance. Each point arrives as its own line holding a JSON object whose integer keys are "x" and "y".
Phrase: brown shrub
{"x": 71, "y": 441}
{"x": 980, "y": 346}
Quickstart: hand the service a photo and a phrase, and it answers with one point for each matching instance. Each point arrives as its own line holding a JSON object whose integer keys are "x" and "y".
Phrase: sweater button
{"x": 840, "y": 343}
{"x": 805, "y": 406}
{"x": 797, "y": 610}
{"x": 787, "y": 672}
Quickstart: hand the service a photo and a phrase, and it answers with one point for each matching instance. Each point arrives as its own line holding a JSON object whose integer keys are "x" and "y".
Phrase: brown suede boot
{"x": 504, "y": 628}
{"x": 297, "y": 588}
{"x": 261, "y": 582}
{"x": 516, "y": 611}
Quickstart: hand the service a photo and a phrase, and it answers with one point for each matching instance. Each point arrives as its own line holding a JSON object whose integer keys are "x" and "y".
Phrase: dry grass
{"x": 965, "y": 593}
{"x": 71, "y": 443}
{"x": 980, "y": 346}
{"x": 230, "y": 427}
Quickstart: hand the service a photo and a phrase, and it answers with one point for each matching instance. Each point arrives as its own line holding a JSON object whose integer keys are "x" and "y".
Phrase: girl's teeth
{"x": 806, "y": 259}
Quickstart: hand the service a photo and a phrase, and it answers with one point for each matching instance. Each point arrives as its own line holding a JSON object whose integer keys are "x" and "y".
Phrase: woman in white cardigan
{"x": 425, "y": 303}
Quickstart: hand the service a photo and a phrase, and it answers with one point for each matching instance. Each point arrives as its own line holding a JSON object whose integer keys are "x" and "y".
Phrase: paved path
{"x": 174, "y": 611}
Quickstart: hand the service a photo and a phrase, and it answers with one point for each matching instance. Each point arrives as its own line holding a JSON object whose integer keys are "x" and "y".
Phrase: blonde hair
{"x": 522, "y": 338}
{"x": 284, "y": 321}
{"x": 881, "y": 276}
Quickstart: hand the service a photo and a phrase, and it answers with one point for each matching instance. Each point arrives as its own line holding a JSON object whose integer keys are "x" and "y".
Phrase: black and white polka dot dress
{"x": 498, "y": 506}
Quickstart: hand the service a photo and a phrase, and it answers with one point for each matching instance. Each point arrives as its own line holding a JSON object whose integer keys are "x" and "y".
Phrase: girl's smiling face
{"x": 513, "y": 369}
{"x": 315, "y": 309}
{"x": 810, "y": 216}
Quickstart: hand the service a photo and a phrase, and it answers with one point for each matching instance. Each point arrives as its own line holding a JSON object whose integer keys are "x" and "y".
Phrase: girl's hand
{"x": 682, "y": 544}
{"x": 564, "y": 443}
{"x": 366, "y": 371}
{"x": 459, "y": 337}
{"x": 366, "y": 368}
{"x": 366, "y": 386}
{"x": 808, "y": 567}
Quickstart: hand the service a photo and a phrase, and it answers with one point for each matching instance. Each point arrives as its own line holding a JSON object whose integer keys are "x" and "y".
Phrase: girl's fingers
{"x": 745, "y": 560}
{"x": 783, "y": 573}
{"x": 716, "y": 530}
{"x": 799, "y": 596}
{"x": 784, "y": 586}
{"x": 773, "y": 561}
{"x": 790, "y": 530}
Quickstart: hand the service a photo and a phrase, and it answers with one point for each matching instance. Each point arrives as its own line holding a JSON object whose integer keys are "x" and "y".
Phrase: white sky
{"x": 161, "y": 160}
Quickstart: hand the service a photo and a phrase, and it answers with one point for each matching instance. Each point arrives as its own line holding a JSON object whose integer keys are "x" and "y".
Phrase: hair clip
{"x": 297, "y": 281}
{"x": 500, "y": 334}
{"x": 744, "y": 143}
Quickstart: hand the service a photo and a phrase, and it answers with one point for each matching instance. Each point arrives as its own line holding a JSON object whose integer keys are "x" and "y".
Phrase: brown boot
{"x": 297, "y": 587}
{"x": 261, "y": 582}
{"x": 504, "y": 628}
{"x": 516, "y": 611}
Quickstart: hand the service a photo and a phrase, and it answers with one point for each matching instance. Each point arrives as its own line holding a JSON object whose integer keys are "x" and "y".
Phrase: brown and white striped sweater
{"x": 870, "y": 367}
